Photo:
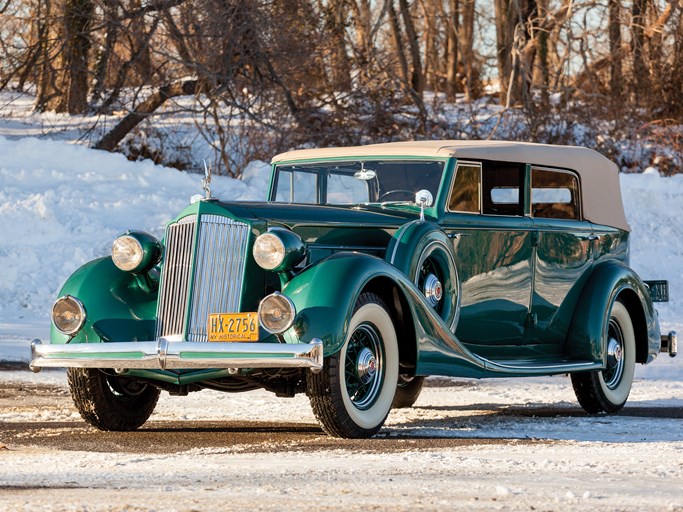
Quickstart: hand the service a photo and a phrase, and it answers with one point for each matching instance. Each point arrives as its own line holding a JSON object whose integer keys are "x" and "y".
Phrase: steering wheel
{"x": 409, "y": 193}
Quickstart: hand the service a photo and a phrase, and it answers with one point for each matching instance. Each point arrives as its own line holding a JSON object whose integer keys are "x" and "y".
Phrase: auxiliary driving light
{"x": 68, "y": 315}
{"x": 276, "y": 313}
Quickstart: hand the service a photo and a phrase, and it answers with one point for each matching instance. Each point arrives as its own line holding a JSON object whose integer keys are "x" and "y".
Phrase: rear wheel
{"x": 351, "y": 397}
{"x": 111, "y": 402}
{"x": 607, "y": 390}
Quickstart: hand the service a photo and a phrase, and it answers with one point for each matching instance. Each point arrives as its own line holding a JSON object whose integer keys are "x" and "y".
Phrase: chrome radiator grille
{"x": 215, "y": 285}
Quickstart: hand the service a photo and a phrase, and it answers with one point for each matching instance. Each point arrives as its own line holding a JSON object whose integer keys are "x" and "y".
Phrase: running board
{"x": 528, "y": 367}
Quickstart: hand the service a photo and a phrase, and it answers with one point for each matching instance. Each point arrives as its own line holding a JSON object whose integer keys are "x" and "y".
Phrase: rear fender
{"x": 610, "y": 281}
{"x": 120, "y": 306}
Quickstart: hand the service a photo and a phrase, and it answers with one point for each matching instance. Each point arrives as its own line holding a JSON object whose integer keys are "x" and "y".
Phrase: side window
{"x": 554, "y": 194}
{"x": 298, "y": 187}
{"x": 466, "y": 193}
{"x": 501, "y": 185}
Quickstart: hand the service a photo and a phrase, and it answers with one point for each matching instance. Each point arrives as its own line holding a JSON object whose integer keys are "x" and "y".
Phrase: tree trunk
{"x": 417, "y": 77}
{"x": 144, "y": 109}
{"x": 64, "y": 80}
{"x": 616, "y": 64}
{"x": 341, "y": 67}
{"x": 452, "y": 31}
{"x": 505, "y": 30}
{"x": 641, "y": 81}
{"x": 467, "y": 45}
{"x": 398, "y": 42}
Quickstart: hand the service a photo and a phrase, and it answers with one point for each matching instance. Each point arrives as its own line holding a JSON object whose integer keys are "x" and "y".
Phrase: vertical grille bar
{"x": 219, "y": 271}
{"x": 175, "y": 277}
{"x": 216, "y": 283}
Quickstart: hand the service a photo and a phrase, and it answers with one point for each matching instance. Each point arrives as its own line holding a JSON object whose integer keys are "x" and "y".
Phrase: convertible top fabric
{"x": 600, "y": 190}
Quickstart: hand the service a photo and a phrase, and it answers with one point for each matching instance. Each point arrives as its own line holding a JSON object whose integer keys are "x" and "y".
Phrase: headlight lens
{"x": 135, "y": 252}
{"x": 276, "y": 313}
{"x": 269, "y": 251}
{"x": 126, "y": 252}
{"x": 279, "y": 249}
{"x": 68, "y": 314}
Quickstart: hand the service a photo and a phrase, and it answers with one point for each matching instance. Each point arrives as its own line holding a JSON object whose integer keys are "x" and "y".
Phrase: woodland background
{"x": 257, "y": 77}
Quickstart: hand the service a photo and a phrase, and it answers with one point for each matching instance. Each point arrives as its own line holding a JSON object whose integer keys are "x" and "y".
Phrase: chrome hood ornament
{"x": 206, "y": 181}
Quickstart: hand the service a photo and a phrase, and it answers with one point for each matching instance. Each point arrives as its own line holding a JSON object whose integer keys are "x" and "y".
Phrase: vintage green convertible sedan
{"x": 368, "y": 269}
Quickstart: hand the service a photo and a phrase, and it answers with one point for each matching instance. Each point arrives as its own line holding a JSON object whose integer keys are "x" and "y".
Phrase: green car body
{"x": 504, "y": 284}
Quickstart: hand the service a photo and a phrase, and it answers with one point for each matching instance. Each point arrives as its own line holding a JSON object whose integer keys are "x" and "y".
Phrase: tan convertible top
{"x": 599, "y": 176}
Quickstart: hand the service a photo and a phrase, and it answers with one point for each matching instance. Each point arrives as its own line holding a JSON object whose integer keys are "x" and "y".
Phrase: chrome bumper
{"x": 163, "y": 354}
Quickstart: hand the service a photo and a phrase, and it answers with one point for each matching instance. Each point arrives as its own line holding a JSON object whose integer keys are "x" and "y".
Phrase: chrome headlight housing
{"x": 68, "y": 315}
{"x": 135, "y": 252}
{"x": 279, "y": 249}
{"x": 276, "y": 313}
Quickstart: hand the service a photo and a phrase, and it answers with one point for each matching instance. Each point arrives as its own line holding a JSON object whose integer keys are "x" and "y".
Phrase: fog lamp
{"x": 276, "y": 313}
{"x": 68, "y": 315}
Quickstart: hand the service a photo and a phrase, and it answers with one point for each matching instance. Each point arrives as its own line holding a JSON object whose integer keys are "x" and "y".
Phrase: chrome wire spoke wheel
{"x": 363, "y": 370}
{"x": 352, "y": 395}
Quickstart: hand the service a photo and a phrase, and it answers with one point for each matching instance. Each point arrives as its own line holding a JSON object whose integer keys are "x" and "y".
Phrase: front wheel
{"x": 407, "y": 391}
{"x": 607, "y": 390}
{"x": 111, "y": 402}
{"x": 352, "y": 395}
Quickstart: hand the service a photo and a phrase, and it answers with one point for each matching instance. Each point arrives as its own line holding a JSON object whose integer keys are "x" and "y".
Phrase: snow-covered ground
{"x": 489, "y": 445}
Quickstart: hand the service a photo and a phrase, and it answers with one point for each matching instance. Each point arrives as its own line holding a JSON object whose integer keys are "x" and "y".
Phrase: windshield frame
{"x": 323, "y": 168}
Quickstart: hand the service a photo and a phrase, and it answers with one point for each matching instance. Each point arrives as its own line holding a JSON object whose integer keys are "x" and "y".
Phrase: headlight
{"x": 279, "y": 249}
{"x": 135, "y": 252}
{"x": 276, "y": 313}
{"x": 68, "y": 314}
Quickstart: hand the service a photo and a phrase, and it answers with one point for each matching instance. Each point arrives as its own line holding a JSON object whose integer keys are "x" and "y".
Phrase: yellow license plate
{"x": 233, "y": 327}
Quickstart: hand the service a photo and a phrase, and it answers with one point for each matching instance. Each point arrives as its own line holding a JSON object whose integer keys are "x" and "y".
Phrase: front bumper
{"x": 164, "y": 354}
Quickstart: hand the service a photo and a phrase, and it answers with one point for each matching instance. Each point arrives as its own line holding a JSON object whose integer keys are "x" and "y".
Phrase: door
{"x": 562, "y": 255}
{"x": 492, "y": 240}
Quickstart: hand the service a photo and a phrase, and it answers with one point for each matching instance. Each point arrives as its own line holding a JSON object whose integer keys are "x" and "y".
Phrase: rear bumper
{"x": 670, "y": 343}
{"x": 164, "y": 354}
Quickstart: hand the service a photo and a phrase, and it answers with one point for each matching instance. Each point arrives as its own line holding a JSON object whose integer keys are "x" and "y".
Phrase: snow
{"x": 509, "y": 445}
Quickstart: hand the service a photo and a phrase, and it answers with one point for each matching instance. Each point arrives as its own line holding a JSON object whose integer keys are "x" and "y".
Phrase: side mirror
{"x": 424, "y": 199}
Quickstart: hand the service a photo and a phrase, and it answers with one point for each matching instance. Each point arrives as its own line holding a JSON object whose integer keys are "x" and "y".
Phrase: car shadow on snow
{"x": 635, "y": 423}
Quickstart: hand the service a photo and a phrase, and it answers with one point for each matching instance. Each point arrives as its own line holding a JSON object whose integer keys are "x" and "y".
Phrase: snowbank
{"x": 63, "y": 204}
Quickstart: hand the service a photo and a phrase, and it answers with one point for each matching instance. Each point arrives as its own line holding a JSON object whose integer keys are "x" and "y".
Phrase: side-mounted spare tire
{"x": 423, "y": 252}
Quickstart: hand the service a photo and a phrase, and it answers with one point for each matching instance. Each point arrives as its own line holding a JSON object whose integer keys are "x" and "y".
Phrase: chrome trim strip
{"x": 541, "y": 369}
{"x": 164, "y": 354}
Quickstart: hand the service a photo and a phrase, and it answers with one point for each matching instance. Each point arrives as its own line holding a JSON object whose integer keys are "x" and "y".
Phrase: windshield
{"x": 356, "y": 182}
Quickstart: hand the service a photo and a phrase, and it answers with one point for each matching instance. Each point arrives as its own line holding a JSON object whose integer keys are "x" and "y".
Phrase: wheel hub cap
{"x": 433, "y": 290}
{"x": 614, "y": 353}
{"x": 366, "y": 365}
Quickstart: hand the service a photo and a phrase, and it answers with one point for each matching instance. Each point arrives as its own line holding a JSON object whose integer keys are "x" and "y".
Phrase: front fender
{"x": 611, "y": 280}
{"x": 120, "y": 306}
{"x": 324, "y": 296}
